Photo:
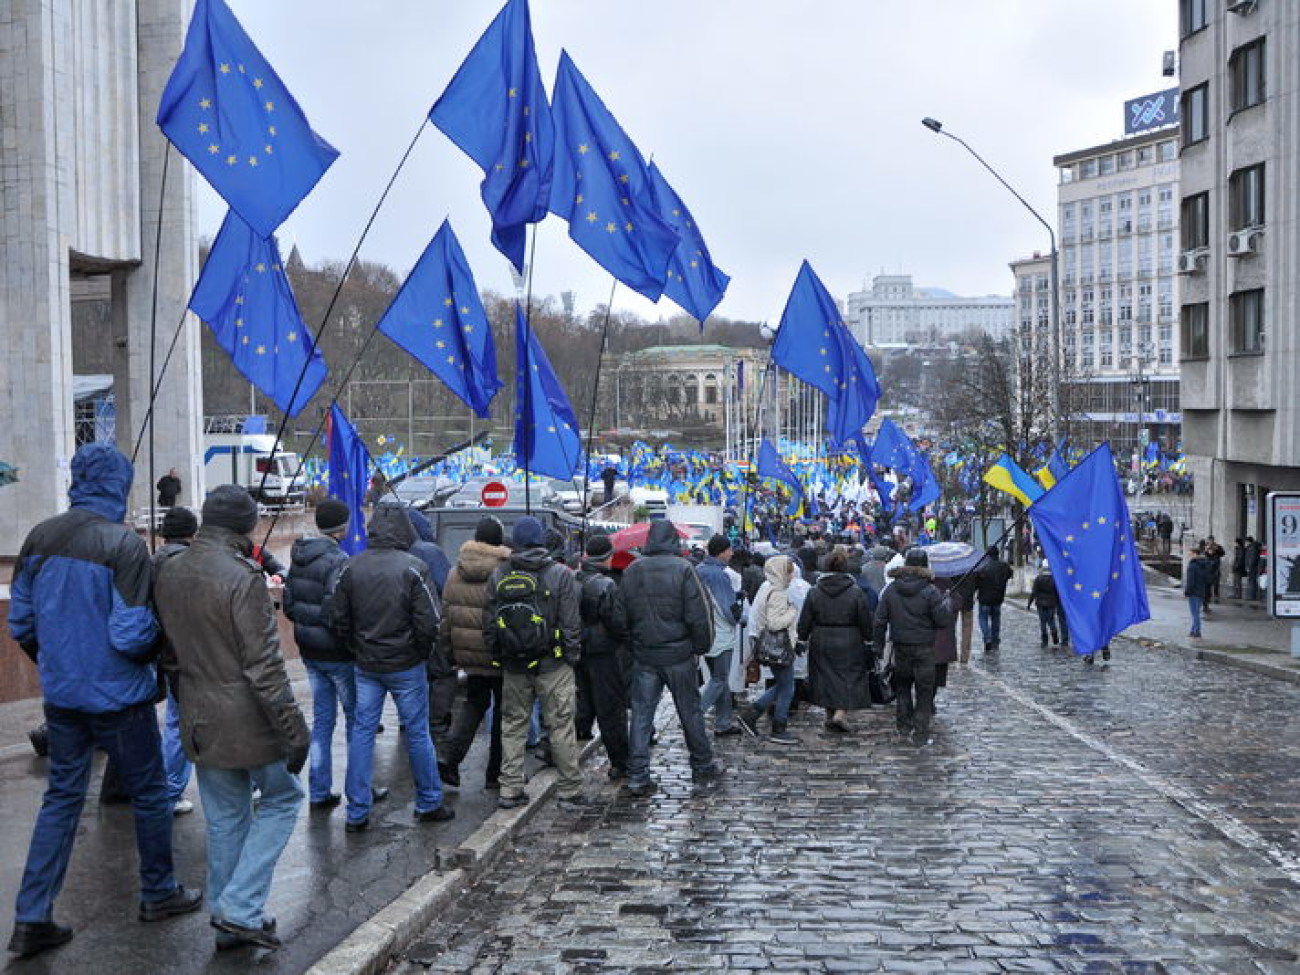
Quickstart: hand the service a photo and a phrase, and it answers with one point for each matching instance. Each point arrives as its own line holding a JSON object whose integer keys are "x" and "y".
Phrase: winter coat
{"x": 1250, "y": 560}
{"x": 911, "y": 608}
{"x": 1200, "y": 574}
{"x": 772, "y": 608}
{"x": 668, "y": 614}
{"x": 724, "y": 602}
{"x": 464, "y": 601}
{"x": 316, "y": 564}
{"x": 837, "y": 624}
{"x": 1238, "y": 559}
{"x": 224, "y": 660}
{"x": 79, "y": 602}
{"x": 991, "y": 582}
{"x": 945, "y": 637}
{"x": 383, "y": 608}
{"x": 560, "y": 606}
{"x": 1043, "y": 592}
{"x": 604, "y": 618}
{"x": 427, "y": 549}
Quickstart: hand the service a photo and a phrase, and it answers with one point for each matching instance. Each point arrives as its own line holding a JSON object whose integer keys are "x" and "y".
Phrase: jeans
{"x": 914, "y": 674}
{"x": 245, "y": 840}
{"x": 1194, "y": 604}
{"x": 482, "y": 694}
{"x": 176, "y": 765}
{"x": 717, "y": 692}
{"x": 410, "y": 690}
{"x": 648, "y": 683}
{"x": 554, "y": 690}
{"x": 333, "y": 683}
{"x": 1062, "y": 625}
{"x": 778, "y": 696}
{"x": 967, "y": 617}
{"x": 1047, "y": 624}
{"x": 131, "y": 739}
{"x": 991, "y": 623}
{"x": 602, "y": 681}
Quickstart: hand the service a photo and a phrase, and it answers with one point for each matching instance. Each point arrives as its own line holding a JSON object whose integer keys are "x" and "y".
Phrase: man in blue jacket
{"x": 79, "y": 607}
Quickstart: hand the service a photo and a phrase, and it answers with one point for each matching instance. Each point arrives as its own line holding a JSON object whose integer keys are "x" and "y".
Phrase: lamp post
{"x": 935, "y": 126}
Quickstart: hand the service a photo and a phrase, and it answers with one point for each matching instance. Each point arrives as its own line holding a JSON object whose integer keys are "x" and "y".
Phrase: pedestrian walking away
{"x": 602, "y": 670}
{"x": 727, "y": 604}
{"x": 773, "y": 611}
{"x": 1196, "y": 587}
{"x": 79, "y": 608}
{"x": 179, "y": 526}
{"x": 991, "y": 580}
{"x": 837, "y": 623}
{"x": 1044, "y": 597}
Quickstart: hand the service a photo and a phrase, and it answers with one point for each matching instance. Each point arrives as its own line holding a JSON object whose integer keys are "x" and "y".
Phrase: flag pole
{"x": 591, "y": 420}
{"x": 153, "y": 346}
{"x": 528, "y": 380}
{"x": 749, "y": 449}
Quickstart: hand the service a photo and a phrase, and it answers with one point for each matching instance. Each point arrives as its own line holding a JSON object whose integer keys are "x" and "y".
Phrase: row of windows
{"x": 1245, "y": 325}
{"x": 1246, "y": 89}
{"x": 1146, "y": 396}
{"x": 1245, "y": 207}
{"x": 1118, "y": 162}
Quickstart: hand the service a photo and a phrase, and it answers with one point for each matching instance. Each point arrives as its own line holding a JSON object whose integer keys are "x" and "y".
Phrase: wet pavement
{"x": 1138, "y": 817}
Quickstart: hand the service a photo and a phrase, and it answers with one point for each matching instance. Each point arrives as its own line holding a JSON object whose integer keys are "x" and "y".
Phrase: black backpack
{"x": 524, "y": 635}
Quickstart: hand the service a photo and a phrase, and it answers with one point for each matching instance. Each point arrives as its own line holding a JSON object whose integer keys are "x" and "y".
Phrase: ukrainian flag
{"x": 1006, "y": 475}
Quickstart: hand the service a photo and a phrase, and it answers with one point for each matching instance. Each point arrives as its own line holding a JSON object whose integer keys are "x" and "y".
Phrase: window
{"x": 1193, "y": 15}
{"x": 1196, "y": 331}
{"x": 1168, "y": 151}
{"x": 1246, "y": 316}
{"x": 1107, "y": 165}
{"x": 1089, "y": 168}
{"x": 1196, "y": 115}
{"x": 1146, "y": 155}
{"x": 1246, "y": 197}
{"x": 1246, "y": 75}
{"x": 1195, "y": 223}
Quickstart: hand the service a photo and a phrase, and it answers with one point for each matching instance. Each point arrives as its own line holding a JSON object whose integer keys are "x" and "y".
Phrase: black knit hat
{"x": 230, "y": 506}
{"x": 490, "y": 531}
{"x": 332, "y": 516}
{"x": 599, "y": 547}
{"x": 179, "y": 522}
{"x": 718, "y": 544}
{"x": 917, "y": 557}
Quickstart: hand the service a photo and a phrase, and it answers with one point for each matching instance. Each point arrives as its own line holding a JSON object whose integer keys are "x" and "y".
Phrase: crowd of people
{"x": 551, "y": 645}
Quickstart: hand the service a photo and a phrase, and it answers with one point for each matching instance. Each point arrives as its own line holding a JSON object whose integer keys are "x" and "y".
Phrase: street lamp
{"x": 935, "y": 126}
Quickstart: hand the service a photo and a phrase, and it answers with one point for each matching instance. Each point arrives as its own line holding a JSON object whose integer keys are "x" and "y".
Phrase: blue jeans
{"x": 1194, "y": 604}
{"x": 245, "y": 841}
{"x": 333, "y": 683}
{"x": 131, "y": 739}
{"x": 779, "y": 695}
{"x": 717, "y": 692}
{"x": 410, "y": 690}
{"x": 648, "y": 683}
{"x": 176, "y": 764}
{"x": 991, "y": 623}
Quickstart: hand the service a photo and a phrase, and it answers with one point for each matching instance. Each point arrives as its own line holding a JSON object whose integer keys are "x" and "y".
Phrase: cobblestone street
{"x": 1141, "y": 817}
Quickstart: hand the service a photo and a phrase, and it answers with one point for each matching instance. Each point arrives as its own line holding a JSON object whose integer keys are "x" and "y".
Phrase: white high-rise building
{"x": 896, "y": 312}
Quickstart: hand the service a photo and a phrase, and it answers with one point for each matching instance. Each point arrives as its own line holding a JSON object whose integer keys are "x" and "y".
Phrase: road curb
{"x": 1246, "y": 663}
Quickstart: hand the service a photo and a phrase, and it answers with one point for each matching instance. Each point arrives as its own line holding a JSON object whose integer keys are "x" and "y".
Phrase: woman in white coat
{"x": 773, "y": 610}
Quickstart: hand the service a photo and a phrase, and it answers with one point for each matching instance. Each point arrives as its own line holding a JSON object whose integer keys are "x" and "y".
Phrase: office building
{"x": 896, "y": 312}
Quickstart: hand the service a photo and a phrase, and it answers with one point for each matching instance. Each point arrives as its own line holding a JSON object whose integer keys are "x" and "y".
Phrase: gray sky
{"x": 791, "y": 129}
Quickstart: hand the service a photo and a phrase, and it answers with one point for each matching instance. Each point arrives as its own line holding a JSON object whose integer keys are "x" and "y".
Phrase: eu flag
{"x": 229, "y": 114}
{"x": 770, "y": 465}
{"x": 601, "y": 187}
{"x": 245, "y": 298}
{"x": 495, "y": 109}
{"x": 1083, "y": 525}
{"x": 547, "y": 440}
{"x": 814, "y": 344}
{"x": 894, "y": 449}
{"x": 348, "y": 476}
{"x": 694, "y": 281}
{"x": 438, "y": 318}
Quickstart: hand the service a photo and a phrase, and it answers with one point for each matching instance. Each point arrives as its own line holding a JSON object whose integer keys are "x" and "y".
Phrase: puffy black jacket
{"x": 316, "y": 564}
{"x": 991, "y": 582}
{"x": 668, "y": 612}
{"x": 1043, "y": 592}
{"x": 1200, "y": 575}
{"x": 383, "y": 608}
{"x": 604, "y": 618}
{"x": 835, "y": 614}
{"x": 912, "y": 609}
{"x": 560, "y": 609}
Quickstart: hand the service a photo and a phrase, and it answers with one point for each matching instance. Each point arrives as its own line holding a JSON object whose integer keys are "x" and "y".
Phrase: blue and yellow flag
{"x": 495, "y": 109}
{"x": 694, "y": 281}
{"x": 547, "y": 440}
{"x": 437, "y": 317}
{"x": 348, "y": 476}
{"x": 1084, "y": 527}
{"x": 229, "y": 114}
{"x": 244, "y": 297}
{"x": 1006, "y": 475}
{"x": 601, "y": 187}
{"x": 1056, "y": 467}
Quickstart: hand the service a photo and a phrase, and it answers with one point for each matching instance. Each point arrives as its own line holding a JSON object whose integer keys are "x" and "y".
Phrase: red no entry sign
{"x": 494, "y": 495}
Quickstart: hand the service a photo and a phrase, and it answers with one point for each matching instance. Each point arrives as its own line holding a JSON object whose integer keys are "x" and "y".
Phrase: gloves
{"x": 297, "y": 758}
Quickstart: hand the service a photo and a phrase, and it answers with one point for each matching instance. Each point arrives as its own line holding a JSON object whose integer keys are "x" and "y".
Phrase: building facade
{"x": 1240, "y": 250}
{"x": 1119, "y": 356}
{"x": 893, "y": 311}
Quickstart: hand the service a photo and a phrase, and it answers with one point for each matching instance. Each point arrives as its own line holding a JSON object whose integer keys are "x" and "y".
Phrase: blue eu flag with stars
{"x": 547, "y": 440}
{"x": 601, "y": 187}
{"x": 245, "y": 298}
{"x": 1083, "y": 525}
{"x": 770, "y": 465}
{"x": 694, "y": 281}
{"x": 495, "y": 109}
{"x": 438, "y": 318}
{"x": 229, "y": 114}
{"x": 894, "y": 449}
{"x": 348, "y": 476}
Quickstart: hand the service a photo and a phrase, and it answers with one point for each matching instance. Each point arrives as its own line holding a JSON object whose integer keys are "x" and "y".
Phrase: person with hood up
{"x": 837, "y": 623}
{"x": 460, "y": 637}
{"x": 1044, "y": 597}
{"x": 442, "y": 673}
{"x": 670, "y": 624}
{"x": 79, "y": 608}
{"x": 384, "y": 611}
{"x": 533, "y": 630}
{"x": 911, "y": 612}
{"x": 773, "y": 610}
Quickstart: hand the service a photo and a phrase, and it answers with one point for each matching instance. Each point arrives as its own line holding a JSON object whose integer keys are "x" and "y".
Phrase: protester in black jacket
{"x": 671, "y": 622}
{"x": 602, "y": 671}
{"x": 911, "y": 611}
{"x": 1043, "y": 594}
{"x": 991, "y": 580}
{"x": 837, "y": 623}
{"x": 316, "y": 563}
{"x": 383, "y": 609}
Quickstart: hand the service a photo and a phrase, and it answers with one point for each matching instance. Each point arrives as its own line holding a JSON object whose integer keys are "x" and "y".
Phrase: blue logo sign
{"x": 1151, "y": 111}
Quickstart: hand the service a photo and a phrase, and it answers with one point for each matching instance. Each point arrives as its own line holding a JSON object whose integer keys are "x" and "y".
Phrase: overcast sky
{"x": 792, "y": 130}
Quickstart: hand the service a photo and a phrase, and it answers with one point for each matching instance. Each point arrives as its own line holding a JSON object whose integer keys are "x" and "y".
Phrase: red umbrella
{"x": 634, "y": 536}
